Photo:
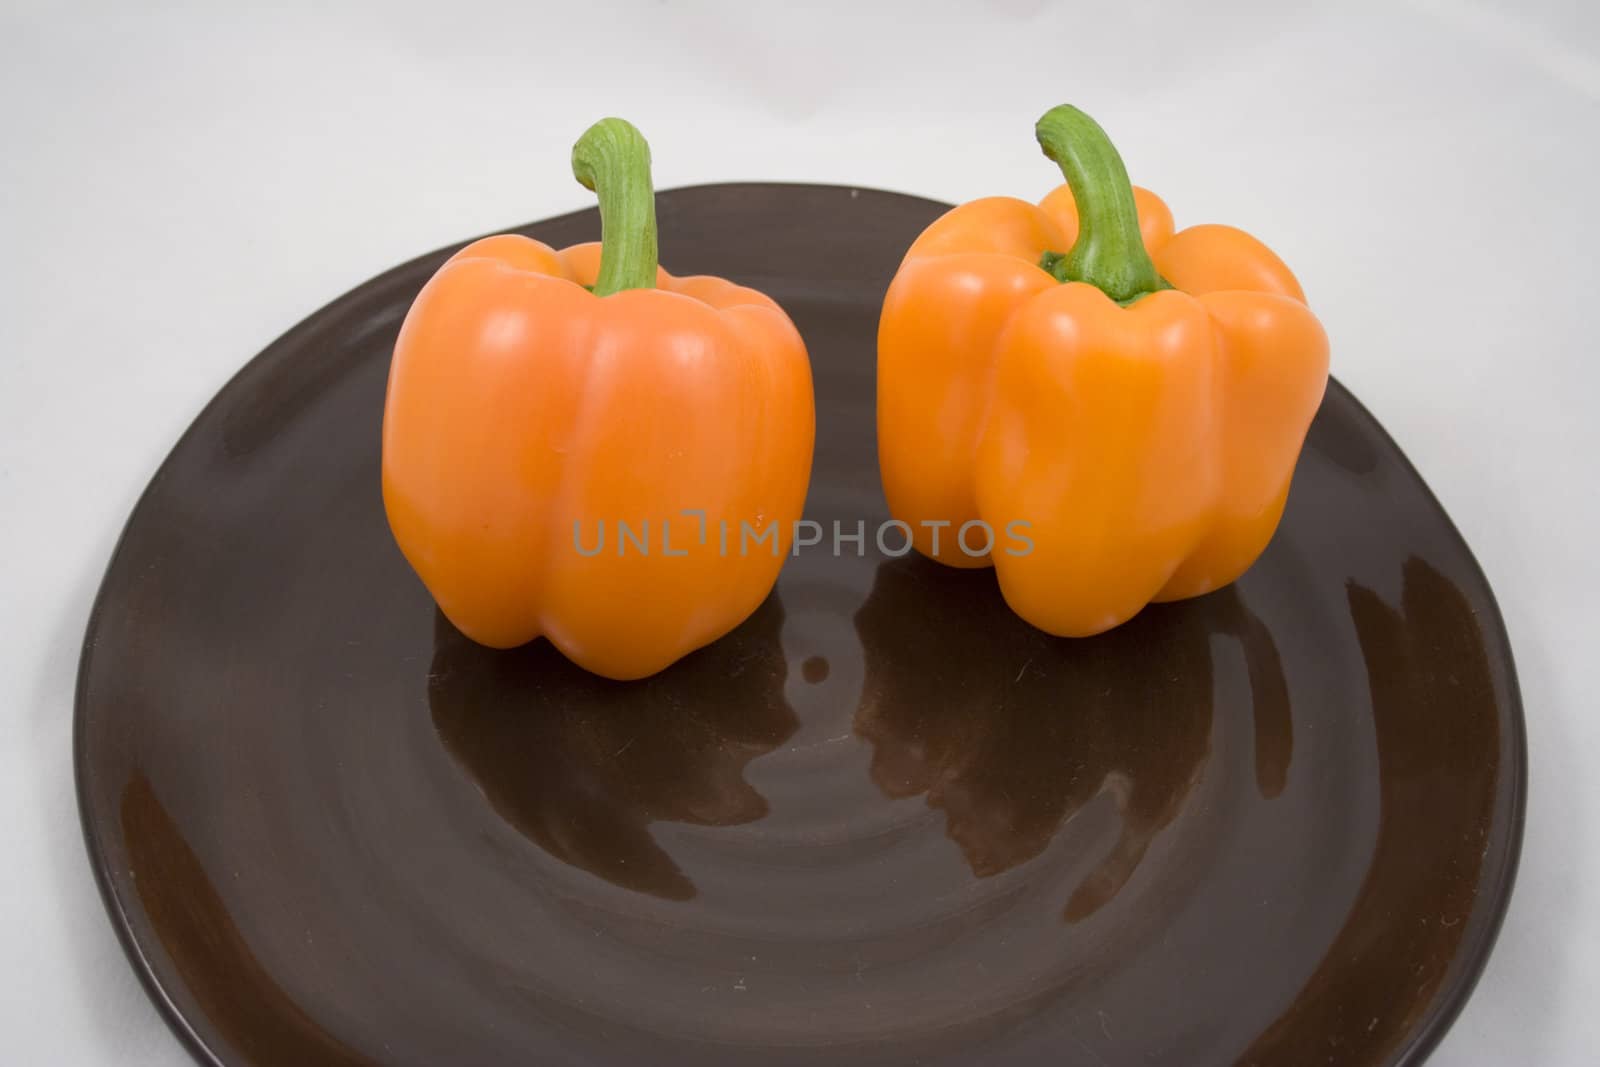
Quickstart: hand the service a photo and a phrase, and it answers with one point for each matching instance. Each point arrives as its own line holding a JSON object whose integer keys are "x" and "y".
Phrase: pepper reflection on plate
{"x": 582, "y": 765}
{"x": 1010, "y": 732}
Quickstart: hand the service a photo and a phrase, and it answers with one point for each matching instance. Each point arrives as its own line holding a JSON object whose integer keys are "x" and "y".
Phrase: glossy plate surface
{"x": 884, "y": 822}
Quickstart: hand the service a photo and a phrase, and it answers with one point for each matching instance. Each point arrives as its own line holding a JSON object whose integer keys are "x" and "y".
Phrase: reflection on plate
{"x": 582, "y": 765}
{"x": 1009, "y": 731}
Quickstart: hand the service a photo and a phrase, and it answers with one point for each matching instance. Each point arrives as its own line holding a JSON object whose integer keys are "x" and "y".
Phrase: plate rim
{"x": 1464, "y": 971}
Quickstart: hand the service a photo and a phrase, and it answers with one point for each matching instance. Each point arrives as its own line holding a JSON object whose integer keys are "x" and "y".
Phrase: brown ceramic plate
{"x": 883, "y": 822}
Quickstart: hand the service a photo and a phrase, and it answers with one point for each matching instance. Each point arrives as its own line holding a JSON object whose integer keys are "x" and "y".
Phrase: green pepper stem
{"x": 1109, "y": 253}
{"x": 613, "y": 160}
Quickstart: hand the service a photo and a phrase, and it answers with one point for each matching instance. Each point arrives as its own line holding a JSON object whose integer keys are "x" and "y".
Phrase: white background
{"x": 180, "y": 185}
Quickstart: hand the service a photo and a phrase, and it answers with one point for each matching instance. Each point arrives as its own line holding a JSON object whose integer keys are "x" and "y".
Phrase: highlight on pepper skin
{"x": 1140, "y": 396}
{"x": 531, "y": 388}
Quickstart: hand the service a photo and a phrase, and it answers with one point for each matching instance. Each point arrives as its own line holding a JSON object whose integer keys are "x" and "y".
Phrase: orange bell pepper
{"x": 1128, "y": 401}
{"x": 540, "y": 399}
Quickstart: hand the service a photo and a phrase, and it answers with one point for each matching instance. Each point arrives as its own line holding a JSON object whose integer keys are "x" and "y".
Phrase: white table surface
{"x": 180, "y": 185}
